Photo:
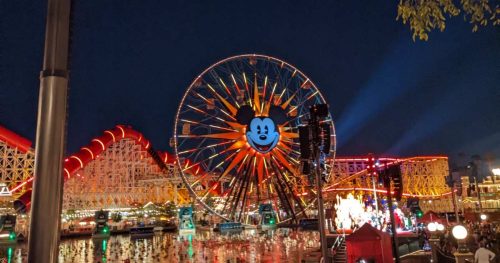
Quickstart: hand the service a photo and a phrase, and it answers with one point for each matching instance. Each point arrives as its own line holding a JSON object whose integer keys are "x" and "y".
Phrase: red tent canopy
{"x": 370, "y": 244}
{"x": 431, "y": 216}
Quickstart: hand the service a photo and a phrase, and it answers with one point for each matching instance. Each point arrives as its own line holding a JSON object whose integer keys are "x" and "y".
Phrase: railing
{"x": 443, "y": 258}
{"x": 337, "y": 243}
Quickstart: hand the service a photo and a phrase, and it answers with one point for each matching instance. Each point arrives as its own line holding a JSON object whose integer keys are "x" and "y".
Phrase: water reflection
{"x": 204, "y": 246}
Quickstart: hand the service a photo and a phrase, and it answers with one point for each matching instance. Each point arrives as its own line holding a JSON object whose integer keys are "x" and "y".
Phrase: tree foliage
{"x": 423, "y": 16}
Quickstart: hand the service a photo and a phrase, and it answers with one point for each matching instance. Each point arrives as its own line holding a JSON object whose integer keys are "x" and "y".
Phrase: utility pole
{"x": 321, "y": 210}
{"x": 478, "y": 191}
{"x": 315, "y": 140}
{"x": 50, "y": 137}
{"x": 387, "y": 183}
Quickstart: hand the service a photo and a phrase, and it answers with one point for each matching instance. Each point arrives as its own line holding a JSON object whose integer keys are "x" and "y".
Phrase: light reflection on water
{"x": 169, "y": 247}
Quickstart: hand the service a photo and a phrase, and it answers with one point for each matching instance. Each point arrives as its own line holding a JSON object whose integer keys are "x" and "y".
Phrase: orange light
{"x": 384, "y": 192}
{"x": 78, "y": 159}
{"x": 67, "y": 173}
{"x": 123, "y": 131}
{"x": 90, "y": 151}
{"x": 100, "y": 142}
{"x": 21, "y": 184}
{"x": 112, "y": 135}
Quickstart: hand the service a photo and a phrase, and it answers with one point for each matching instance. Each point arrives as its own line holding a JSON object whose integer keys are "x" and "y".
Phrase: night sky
{"x": 132, "y": 61}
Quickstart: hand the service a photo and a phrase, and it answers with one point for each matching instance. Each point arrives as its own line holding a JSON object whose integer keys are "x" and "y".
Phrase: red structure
{"x": 88, "y": 153}
{"x": 78, "y": 160}
{"x": 14, "y": 140}
{"x": 423, "y": 176}
{"x": 370, "y": 244}
{"x": 431, "y": 216}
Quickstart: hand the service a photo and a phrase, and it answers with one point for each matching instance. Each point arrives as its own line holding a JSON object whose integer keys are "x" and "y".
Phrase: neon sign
{"x": 262, "y": 132}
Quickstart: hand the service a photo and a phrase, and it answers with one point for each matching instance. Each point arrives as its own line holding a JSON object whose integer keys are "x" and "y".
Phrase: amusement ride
{"x": 237, "y": 125}
{"x": 236, "y": 152}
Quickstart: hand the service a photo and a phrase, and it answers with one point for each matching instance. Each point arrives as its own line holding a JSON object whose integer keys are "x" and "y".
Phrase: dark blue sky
{"x": 131, "y": 62}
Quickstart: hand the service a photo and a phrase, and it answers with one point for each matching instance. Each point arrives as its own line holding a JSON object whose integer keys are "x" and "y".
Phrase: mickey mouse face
{"x": 262, "y": 134}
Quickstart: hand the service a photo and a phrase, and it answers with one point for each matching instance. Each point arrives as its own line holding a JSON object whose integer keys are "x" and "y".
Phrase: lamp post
{"x": 463, "y": 253}
{"x": 43, "y": 241}
{"x": 460, "y": 233}
{"x": 315, "y": 137}
{"x": 433, "y": 227}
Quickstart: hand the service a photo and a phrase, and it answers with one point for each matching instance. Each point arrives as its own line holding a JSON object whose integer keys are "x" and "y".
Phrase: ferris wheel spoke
{"x": 211, "y": 116}
{"x": 199, "y": 148}
{"x": 280, "y": 151}
{"x": 292, "y": 191}
{"x": 282, "y": 159}
{"x": 245, "y": 194}
{"x": 240, "y": 192}
{"x": 284, "y": 200}
{"x": 212, "y": 104}
{"x": 232, "y": 109}
{"x": 294, "y": 119}
{"x": 216, "y": 77}
{"x": 219, "y": 178}
{"x": 207, "y": 125}
{"x": 247, "y": 88}
{"x": 235, "y": 187}
{"x": 304, "y": 101}
{"x": 224, "y": 135}
{"x": 236, "y": 86}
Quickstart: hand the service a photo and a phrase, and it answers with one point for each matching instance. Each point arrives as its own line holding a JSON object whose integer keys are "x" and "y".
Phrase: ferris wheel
{"x": 236, "y": 138}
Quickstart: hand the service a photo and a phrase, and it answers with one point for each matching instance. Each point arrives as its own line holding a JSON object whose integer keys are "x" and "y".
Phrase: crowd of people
{"x": 482, "y": 237}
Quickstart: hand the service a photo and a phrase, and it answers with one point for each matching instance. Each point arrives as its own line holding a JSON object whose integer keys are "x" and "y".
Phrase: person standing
{"x": 483, "y": 255}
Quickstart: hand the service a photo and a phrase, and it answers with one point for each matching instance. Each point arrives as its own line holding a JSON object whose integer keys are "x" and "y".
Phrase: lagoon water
{"x": 203, "y": 246}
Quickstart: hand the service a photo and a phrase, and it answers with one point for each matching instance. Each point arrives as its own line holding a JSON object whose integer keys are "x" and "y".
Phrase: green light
{"x": 190, "y": 248}
{"x": 105, "y": 229}
{"x": 271, "y": 221}
{"x": 419, "y": 214}
{"x": 12, "y": 235}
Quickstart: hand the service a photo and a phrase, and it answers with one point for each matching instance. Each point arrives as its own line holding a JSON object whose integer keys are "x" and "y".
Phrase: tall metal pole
{"x": 50, "y": 137}
{"x": 319, "y": 189}
{"x": 376, "y": 199}
{"x": 395, "y": 244}
{"x": 321, "y": 212}
{"x": 455, "y": 208}
{"x": 478, "y": 190}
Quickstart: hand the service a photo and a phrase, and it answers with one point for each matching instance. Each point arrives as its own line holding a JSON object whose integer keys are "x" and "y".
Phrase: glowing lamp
{"x": 420, "y": 214}
{"x": 483, "y": 217}
{"x": 496, "y": 171}
{"x": 440, "y": 227}
{"x": 432, "y": 227}
{"x": 459, "y": 232}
